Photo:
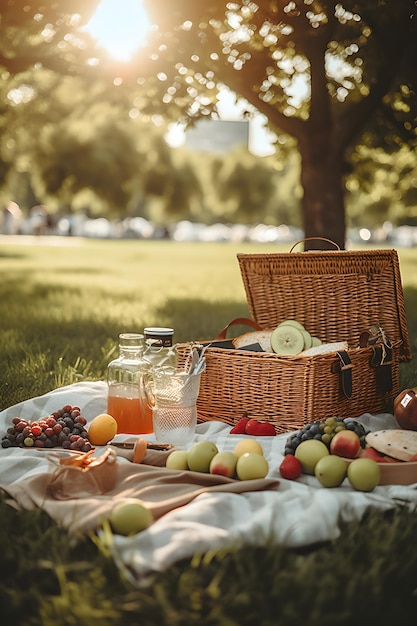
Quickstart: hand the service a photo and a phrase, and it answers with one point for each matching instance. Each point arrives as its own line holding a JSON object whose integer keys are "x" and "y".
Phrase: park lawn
{"x": 64, "y": 302}
{"x": 61, "y": 310}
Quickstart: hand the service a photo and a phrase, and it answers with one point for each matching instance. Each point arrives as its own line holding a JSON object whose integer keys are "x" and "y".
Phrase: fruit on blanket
{"x": 251, "y": 466}
{"x": 286, "y": 339}
{"x": 371, "y": 453}
{"x": 324, "y": 431}
{"x": 65, "y": 428}
{"x": 254, "y": 427}
{"x": 240, "y": 427}
{"x": 247, "y": 445}
{"x": 199, "y": 456}
{"x": 290, "y": 467}
{"x": 330, "y": 470}
{"x": 130, "y": 517}
{"x": 363, "y": 474}
{"x": 260, "y": 429}
{"x": 102, "y": 429}
{"x": 405, "y": 409}
{"x": 309, "y": 452}
{"x": 224, "y": 464}
{"x": 345, "y": 443}
{"x": 177, "y": 460}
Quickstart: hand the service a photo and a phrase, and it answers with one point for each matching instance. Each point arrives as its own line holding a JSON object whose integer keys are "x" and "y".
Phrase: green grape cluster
{"x": 324, "y": 431}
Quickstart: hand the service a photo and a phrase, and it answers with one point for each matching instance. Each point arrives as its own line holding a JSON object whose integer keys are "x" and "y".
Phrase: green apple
{"x": 251, "y": 466}
{"x": 130, "y": 517}
{"x": 309, "y": 452}
{"x": 199, "y": 456}
{"x": 330, "y": 470}
{"x": 177, "y": 460}
{"x": 364, "y": 474}
{"x": 223, "y": 463}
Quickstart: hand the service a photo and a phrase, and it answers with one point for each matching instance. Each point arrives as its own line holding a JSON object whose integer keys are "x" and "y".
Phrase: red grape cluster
{"x": 64, "y": 428}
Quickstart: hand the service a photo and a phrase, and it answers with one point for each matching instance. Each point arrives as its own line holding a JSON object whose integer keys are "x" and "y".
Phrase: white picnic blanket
{"x": 294, "y": 513}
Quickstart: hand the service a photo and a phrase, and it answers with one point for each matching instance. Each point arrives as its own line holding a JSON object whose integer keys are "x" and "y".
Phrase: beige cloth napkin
{"x": 78, "y": 508}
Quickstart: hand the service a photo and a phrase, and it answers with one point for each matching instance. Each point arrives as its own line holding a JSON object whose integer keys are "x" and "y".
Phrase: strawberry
{"x": 290, "y": 467}
{"x": 260, "y": 429}
{"x": 239, "y": 427}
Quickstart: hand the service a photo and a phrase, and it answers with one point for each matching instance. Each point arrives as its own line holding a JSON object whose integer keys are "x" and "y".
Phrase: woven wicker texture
{"x": 336, "y": 295}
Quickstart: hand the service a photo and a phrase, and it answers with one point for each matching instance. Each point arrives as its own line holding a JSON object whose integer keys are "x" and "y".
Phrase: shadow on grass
{"x": 410, "y": 298}
{"x": 12, "y": 255}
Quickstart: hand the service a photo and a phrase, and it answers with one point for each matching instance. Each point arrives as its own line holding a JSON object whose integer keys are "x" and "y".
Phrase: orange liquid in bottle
{"x": 132, "y": 414}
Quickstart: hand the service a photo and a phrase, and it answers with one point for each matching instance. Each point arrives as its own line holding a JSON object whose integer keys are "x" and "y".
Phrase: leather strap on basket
{"x": 344, "y": 368}
{"x": 382, "y": 361}
{"x": 239, "y": 321}
{"x": 381, "y": 358}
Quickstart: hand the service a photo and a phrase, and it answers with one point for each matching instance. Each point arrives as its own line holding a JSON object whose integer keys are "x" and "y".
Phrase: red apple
{"x": 405, "y": 409}
{"x": 223, "y": 463}
{"x": 345, "y": 443}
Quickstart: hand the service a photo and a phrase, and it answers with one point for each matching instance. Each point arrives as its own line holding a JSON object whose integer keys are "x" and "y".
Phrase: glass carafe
{"x": 126, "y": 400}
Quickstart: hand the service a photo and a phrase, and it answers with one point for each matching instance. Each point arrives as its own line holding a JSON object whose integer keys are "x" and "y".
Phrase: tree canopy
{"x": 335, "y": 80}
{"x": 329, "y": 74}
{"x": 45, "y": 33}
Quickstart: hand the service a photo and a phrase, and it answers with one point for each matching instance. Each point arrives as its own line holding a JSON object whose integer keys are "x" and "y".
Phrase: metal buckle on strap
{"x": 373, "y": 335}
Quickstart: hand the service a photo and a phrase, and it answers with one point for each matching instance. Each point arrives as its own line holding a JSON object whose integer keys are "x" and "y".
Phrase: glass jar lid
{"x": 158, "y": 331}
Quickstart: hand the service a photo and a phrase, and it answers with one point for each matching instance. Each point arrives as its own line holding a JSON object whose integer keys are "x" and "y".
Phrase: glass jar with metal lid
{"x": 160, "y": 351}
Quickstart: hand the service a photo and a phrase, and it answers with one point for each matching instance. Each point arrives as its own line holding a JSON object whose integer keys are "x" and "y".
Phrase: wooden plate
{"x": 401, "y": 473}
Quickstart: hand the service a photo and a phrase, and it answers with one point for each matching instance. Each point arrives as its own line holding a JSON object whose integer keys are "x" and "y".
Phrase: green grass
{"x": 62, "y": 307}
{"x": 61, "y": 310}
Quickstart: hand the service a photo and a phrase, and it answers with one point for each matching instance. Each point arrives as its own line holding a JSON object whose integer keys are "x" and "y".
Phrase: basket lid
{"x": 335, "y": 294}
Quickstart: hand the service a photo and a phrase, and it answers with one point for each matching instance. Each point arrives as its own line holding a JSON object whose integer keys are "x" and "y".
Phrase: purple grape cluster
{"x": 324, "y": 431}
{"x": 64, "y": 428}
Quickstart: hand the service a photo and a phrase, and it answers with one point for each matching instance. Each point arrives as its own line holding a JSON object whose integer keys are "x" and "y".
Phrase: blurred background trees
{"x": 80, "y": 131}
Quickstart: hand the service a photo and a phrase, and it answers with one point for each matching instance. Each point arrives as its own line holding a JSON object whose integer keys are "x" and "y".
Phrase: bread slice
{"x": 325, "y": 348}
{"x": 396, "y": 442}
{"x": 263, "y": 337}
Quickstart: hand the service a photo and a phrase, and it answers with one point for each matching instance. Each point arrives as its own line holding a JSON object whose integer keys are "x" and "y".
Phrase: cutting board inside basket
{"x": 227, "y": 344}
{"x": 398, "y": 443}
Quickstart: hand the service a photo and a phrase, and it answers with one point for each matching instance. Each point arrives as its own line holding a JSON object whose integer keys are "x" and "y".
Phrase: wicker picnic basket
{"x": 338, "y": 295}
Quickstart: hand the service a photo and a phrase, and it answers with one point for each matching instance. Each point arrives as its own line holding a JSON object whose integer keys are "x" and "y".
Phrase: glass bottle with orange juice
{"x": 126, "y": 401}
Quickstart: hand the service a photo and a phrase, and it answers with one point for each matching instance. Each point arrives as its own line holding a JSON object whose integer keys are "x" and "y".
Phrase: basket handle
{"x": 314, "y": 239}
{"x": 246, "y": 321}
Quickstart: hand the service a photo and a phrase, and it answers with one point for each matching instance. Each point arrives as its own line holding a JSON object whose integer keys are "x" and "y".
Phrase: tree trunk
{"x": 323, "y": 209}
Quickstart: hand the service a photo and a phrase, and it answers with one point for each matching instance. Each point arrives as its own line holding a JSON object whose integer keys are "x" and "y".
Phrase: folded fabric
{"x": 79, "y": 505}
{"x": 193, "y": 513}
